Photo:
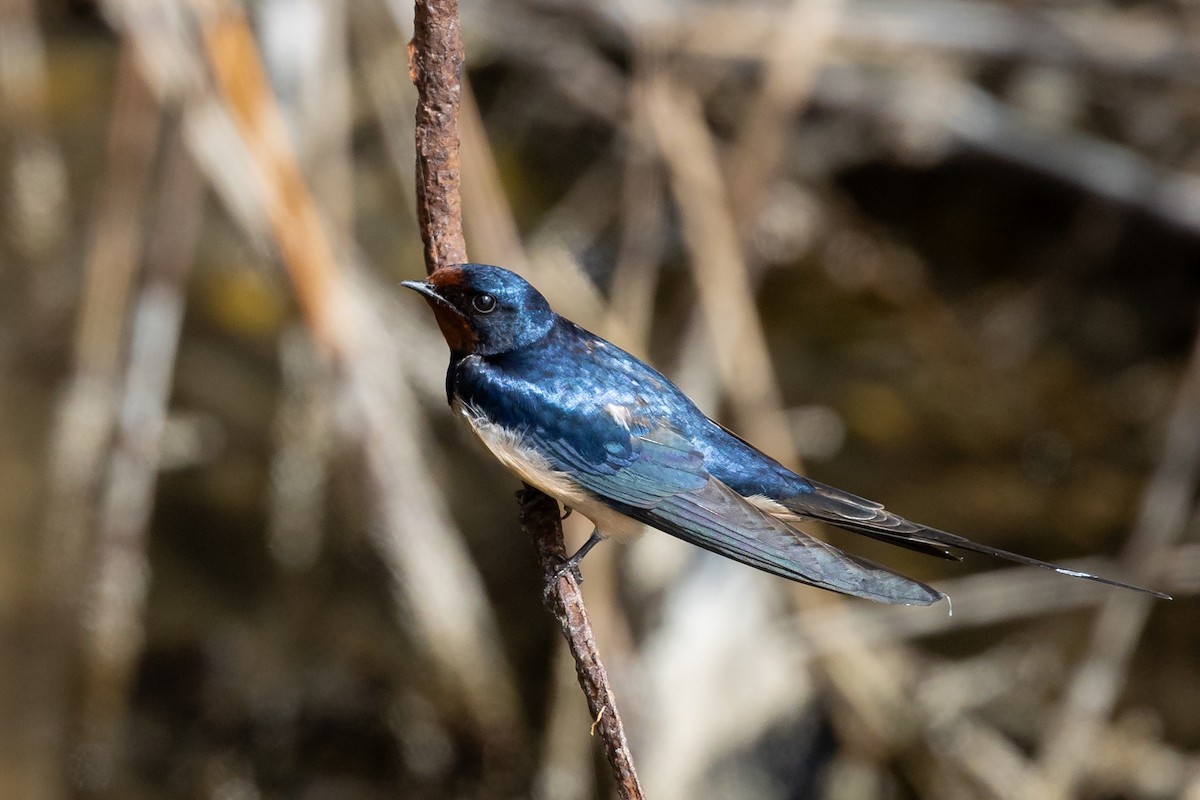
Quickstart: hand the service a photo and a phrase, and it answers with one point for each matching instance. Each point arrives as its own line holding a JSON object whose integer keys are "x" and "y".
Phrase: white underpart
{"x": 533, "y": 468}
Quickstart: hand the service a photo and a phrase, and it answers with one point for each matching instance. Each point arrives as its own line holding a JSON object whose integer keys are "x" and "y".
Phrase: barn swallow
{"x": 610, "y": 437}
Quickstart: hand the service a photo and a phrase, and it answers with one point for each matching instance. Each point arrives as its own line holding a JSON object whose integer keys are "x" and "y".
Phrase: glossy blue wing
{"x": 620, "y": 431}
{"x": 637, "y": 469}
{"x": 657, "y": 477}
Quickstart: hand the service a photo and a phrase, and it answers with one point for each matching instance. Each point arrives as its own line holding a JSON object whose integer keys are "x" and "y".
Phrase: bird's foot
{"x": 567, "y": 566}
{"x": 570, "y": 565}
{"x": 564, "y": 567}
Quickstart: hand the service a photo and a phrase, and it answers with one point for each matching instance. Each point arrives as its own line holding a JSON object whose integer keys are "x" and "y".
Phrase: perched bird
{"x": 610, "y": 437}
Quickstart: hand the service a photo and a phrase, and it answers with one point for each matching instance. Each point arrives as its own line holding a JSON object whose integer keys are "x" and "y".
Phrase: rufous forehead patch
{"x": 448, "y": 276}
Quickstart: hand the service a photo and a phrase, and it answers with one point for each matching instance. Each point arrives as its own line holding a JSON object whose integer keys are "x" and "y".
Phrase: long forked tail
{"x": 866, "y": 517}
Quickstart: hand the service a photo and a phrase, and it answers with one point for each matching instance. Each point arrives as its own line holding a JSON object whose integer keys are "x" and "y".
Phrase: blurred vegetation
{"x": 942, "y": 253}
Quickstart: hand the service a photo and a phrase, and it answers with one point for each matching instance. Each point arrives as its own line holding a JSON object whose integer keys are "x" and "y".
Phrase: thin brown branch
{"x": 540, "y": 518}
{"x": 436, "y": 62}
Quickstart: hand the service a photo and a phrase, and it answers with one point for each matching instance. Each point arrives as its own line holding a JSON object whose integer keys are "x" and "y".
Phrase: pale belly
{"x": 533, "y": 468}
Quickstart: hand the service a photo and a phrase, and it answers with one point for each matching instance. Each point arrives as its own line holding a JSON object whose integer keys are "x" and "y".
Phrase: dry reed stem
{"x": 793, "y": 55}
{"x": 313, "y": 76}
{"x": 721, "y": 277}
{"x": 867, "y": 685}
{"x": 383, "y": 63}
{"x": 37, "y": 220}
{"x": 864, "y": 683}
{"x": 433, "y": 577}
{"x": 297, "y": 228}
{"x": 323, "y": 106}
{"x": 74, "y": 561}
{"x": 235, "y": 131}
{"x": 642, "y": 218}
{"x": 894, "y": 35}
{"x": 1163, "y": 515}
{"x": 37, "y": 225}
{"x": 115, "y": 625}
{"x": 494, "y": 230}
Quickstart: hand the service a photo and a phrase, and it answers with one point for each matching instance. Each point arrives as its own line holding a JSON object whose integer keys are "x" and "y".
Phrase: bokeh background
{"x": 941, "y": 253}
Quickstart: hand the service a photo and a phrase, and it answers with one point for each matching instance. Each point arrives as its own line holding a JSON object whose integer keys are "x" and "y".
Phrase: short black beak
{"x": 422, "y": 287}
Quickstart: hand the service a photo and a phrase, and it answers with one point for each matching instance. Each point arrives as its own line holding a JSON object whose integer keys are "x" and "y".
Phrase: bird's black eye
{"x": 484, "y": 303}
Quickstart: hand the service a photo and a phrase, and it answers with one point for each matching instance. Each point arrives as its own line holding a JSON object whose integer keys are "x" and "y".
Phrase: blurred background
{"x": 940, "y": 253}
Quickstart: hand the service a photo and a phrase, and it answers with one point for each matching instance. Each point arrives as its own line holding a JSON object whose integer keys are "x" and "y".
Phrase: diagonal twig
{"x": 539, "y": 516}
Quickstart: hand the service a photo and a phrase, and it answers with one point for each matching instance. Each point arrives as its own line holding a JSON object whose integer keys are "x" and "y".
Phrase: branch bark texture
{"x": 435, "y": 64}
{"x": 540, "y": 519}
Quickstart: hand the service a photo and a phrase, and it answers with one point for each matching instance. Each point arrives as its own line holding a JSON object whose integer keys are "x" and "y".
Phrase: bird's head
{"x": 485, "y": 310}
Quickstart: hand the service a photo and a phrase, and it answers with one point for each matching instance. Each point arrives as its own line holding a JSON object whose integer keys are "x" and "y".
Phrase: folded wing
{"x": 656, "y": 476}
